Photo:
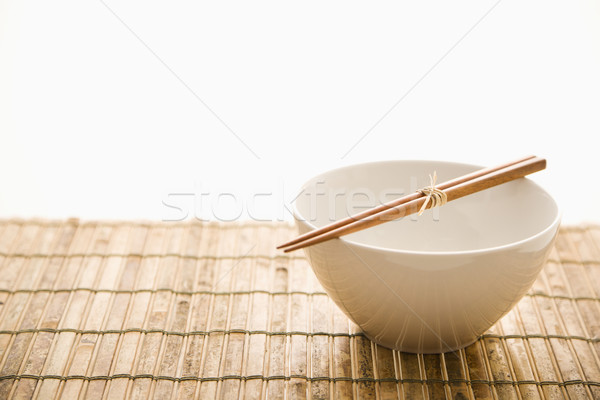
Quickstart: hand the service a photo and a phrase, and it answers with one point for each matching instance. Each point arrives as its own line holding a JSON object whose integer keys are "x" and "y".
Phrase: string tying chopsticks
{"x": 434, "y": 195}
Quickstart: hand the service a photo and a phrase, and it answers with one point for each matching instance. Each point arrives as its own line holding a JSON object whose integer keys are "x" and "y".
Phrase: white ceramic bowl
{"x": 432, "y": 283}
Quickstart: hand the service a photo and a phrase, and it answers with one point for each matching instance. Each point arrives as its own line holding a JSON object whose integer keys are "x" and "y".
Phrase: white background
{"x": 105, "y": 107}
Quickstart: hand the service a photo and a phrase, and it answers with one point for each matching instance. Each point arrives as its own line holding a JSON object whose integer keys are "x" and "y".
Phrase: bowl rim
{"x": 555, "y": 222}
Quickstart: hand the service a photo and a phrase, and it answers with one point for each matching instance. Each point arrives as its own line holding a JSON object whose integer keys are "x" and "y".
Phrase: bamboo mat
{"x": 157, "y": 310}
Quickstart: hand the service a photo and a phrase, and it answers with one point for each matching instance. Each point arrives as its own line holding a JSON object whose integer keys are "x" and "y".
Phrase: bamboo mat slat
{"x": 206, "y": 310}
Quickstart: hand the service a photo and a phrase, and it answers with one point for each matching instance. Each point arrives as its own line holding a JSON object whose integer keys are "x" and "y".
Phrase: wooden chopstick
{"x": 397, "y": 202}
{"x": 475, "y": 185}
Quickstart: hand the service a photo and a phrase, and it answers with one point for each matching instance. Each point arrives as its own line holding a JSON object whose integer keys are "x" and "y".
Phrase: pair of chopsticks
{"x": 407, "y": 205}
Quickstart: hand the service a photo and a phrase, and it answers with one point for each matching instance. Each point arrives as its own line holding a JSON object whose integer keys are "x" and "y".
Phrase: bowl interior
{"x": 495, "y": 217}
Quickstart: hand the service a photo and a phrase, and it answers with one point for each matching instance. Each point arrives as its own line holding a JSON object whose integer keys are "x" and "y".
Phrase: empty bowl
{"x": 436, "y": 282}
